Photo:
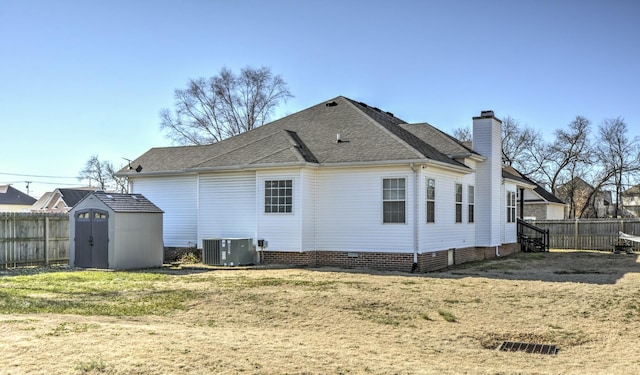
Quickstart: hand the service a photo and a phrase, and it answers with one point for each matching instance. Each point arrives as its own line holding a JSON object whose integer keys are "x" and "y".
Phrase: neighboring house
{"x": 631, "y": 200}
{"x": 536, "y": 203}
{"x": 340, "y": 184}
{"x": 13, "y": 200}
{"x": 60, "y": 200}
{"x": 582, "y": 203}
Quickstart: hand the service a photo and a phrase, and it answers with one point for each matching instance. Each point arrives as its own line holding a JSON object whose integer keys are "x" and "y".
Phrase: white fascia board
{"x": 156, "y": 174}
{"x": 472, "y": 156}
{"x": 245, "y": 167}
{"x": 522, "y": 184}
{"x": 194, "y": 171}
{"x": 455, "y": 168}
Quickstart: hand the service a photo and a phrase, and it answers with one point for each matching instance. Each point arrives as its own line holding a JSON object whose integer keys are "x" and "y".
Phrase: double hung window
{"x": 471, "y": 204}
{"x": 511, "y": 207}
{"x": 431, "y": 200}
{"x": 458, "y": 203}
{"x": 393, "y": 200}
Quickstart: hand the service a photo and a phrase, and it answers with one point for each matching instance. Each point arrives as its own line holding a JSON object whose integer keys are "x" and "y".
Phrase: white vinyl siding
{"x": 394, "y": 200}
{"x": 282, "y": 231}
{"x": 489, "y": 206}
{"x": 509, "y": 229}
{"x": 307, "y": 208}
{"x": 444, "y": 234}
{"x": 555, "y": 212}
{"x": 177, "y": 197}
{"x": 227, "y": 205}
{"x": 349, "y": 206}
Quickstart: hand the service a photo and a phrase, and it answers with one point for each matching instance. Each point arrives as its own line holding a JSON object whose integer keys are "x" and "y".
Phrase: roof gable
{"x": 41, "y": 204}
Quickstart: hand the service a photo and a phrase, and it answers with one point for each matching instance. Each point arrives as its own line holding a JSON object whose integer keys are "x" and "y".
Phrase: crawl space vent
{"x": 511, "y": 346}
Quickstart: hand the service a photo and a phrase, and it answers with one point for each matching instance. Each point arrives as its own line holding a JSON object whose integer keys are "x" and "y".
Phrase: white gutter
{"x": 372, "y": 163}
{"x": 471, "y": 156}
{"x": 416, "y": 226}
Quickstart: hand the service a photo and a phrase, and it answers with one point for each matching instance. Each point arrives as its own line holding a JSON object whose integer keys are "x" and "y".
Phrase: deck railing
{"x": 531, "y": 237}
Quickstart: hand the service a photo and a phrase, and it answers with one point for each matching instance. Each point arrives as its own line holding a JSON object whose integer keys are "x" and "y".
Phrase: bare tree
{"x": 95, "y": 171}
{"x": 618, "y": 155}
{"x": 121, "y": 182}
{"x": 463, "y": 134}
{"x": 523, "y": 148}
{"x": 212, "y": 109}
{"x": 569, "y": 154}
{"x": 104, "y": 175}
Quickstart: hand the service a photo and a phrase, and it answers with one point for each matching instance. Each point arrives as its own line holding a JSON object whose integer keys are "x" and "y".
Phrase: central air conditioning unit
{"x": 228, "y": 252}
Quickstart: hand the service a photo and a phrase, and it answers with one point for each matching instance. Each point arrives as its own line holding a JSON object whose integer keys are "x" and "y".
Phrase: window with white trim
{"x": 431, "y": 200}
{"x": 393, "y": 200}
{"x": 278, "y": 196}
{"x": 458, "y": 203}
{"x": 471, "y": 204}
{"x": 511, "y": 207}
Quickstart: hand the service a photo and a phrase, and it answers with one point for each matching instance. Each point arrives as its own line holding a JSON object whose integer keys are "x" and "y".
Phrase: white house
{"x": 340, "y": 184}
{"x": 536, "y": 203}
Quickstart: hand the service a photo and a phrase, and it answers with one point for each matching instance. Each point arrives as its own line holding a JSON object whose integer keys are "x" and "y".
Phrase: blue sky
{"x": 79, "y": 78}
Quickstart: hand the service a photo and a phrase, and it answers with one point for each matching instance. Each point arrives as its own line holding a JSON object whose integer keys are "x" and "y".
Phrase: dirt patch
{"x": 329, "y": 321}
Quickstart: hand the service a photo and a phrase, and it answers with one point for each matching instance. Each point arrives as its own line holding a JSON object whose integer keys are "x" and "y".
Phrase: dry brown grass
{"x": 328, "y": 321}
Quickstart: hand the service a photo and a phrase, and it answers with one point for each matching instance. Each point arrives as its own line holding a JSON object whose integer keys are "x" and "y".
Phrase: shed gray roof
{"x": 368, "y": 135}
{"x": 127, "y": 202}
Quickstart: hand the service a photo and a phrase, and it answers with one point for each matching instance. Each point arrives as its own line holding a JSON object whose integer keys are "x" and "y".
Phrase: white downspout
{"x": 416, "y": 226}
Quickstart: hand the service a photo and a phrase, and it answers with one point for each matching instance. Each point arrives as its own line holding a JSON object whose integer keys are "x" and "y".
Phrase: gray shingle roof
{"x": 308, "y": 137}
{"x": 11, "y": 195}
{"x": 73, "y": 196}
{"x": 442, "y": 142}
{"x": 511, "y": 173}
{"x": 127, "y": 202}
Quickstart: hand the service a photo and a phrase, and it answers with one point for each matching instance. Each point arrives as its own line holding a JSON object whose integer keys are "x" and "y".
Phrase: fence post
{"x": 46, "y": 240}
{"x": 575, "y": 236}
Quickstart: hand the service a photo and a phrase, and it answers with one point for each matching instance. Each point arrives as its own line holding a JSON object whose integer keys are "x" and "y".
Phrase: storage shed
{"x": 115, "y": 231}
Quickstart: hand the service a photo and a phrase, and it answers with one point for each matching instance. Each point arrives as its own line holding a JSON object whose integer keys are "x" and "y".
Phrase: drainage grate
{"x": 510, "y": 346}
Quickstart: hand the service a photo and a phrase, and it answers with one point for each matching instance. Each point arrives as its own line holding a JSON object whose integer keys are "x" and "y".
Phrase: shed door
{"x": 92, "y": 239}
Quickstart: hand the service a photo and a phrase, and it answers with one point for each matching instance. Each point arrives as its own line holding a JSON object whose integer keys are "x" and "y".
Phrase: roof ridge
{"x": 295, "y": 146}
{"x": 410, "y": 140}
{"x": 301, "y": 147}
{"x": 384, "y": 128}
{"x": 243, "y": 145}
{"x": 452, "y": 138}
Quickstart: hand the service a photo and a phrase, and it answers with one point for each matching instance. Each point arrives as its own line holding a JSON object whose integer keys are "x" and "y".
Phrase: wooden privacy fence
{"x": 33, "y": 239}
{"x": 589, "y": 234}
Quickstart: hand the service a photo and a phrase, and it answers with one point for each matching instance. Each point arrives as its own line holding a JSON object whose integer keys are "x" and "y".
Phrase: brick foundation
{"x": 386, "y": 261}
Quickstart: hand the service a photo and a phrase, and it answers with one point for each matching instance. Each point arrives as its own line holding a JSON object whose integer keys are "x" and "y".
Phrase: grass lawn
{"x": 327, "y": 321}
